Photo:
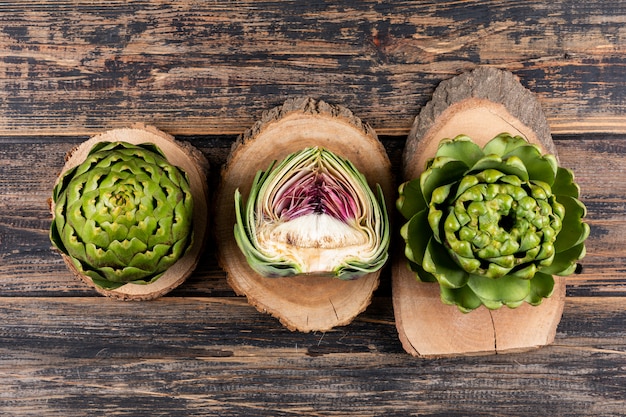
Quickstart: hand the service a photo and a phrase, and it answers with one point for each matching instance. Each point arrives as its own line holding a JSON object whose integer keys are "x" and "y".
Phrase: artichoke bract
{"x": 313, "y": 213}
{"x": 492, "y": 225}
{"x": 124, "y": 215}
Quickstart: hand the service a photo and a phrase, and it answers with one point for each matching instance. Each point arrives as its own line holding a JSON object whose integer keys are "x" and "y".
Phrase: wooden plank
{"x": 596, "y": 162}
{"x": 212, "y": 356}
{"x": 206, "y": 72}
{"x": 77, "y": 68}
{"x": 28, "y": 167}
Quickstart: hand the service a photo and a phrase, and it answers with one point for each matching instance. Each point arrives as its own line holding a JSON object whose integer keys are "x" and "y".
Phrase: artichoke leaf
{"x": 437, "y": 176}
{"x": 461, "y": 148}
{"x": 73, "y": 245}
{"x": 103, "y": 282}
{"x": 564, "y": 263}
{"x": 526, "y": 272}
{"x": 420, "y": 274}
{"x": 410, "y": 200}
{"x": 506, "y": 289}
{"x": 539, "y": 167}
{"x": 574, "y": 230}
{"x": 438, "y": 262}
{"x": 146, "y": 260}
{"x": 64, "y": 180}
{"x": 244, "y": 236}
{"x": 541, "y": 286}
{"x": 509, "y": 166}
{"x": 464, "y": 298}
{"x": 416, "y": 236}
{"x": 564, "y": 183}
{"x": 97, "y": 257}
{"x": 125, "y": 275}
{"x": 503, "y": 144}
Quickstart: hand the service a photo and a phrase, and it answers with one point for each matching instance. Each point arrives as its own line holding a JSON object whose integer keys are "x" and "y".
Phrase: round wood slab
{"x": 308, "y": 302}
{"x": 180, "y": 154}
{"x": 480, "y": 104}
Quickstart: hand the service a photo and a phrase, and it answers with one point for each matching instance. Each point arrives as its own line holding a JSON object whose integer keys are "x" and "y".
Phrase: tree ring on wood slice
{"x": 307, "y": 302}
{"x": 480, "y": 104}
{"x": 195, "y": 165}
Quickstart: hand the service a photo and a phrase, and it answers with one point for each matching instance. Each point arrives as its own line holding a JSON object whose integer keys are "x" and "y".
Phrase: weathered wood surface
{"x": 204, "y": 72}
{"x": 202, "y": 351}
{"x": 190, "y": 67}
{"x": 186, "y": 356}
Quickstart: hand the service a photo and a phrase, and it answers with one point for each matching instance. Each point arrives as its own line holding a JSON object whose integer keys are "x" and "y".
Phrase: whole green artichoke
{"x": 124, "y": 215}
{"x": 492, "y": 225}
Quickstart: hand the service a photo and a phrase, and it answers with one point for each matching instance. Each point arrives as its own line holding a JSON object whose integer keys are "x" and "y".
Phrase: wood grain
{"x": 196, "y": 356}
{"x": 205, "y": 71}
{"x": 67, "y": 68}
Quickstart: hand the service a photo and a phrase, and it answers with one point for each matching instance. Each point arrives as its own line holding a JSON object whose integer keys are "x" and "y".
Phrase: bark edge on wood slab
{"x": 308, "y": 302}
{"x": 195, "y": 165}
{"x": 481, "y": 104}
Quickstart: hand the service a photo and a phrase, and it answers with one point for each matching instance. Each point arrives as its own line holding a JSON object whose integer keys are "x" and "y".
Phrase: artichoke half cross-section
{"x": 124, "y": 215}
{"x": 312, "y": 213}
{"x": 492, "y": 225}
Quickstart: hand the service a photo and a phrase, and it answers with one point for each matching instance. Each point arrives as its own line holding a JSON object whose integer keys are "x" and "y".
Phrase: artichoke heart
{"x": 312, "y": 231}
{"x": 313, "y": 213}
{"x": 124, "y": 215}
{"x": 492, "y": 225}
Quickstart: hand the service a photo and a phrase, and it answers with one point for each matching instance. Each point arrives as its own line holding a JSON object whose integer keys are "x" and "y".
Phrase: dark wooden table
{"x": 204, "y": 72}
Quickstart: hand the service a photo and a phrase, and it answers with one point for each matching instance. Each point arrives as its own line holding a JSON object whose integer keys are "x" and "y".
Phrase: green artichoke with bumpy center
{"x": 124, "y": 215}
{"x": 492, "y": 225}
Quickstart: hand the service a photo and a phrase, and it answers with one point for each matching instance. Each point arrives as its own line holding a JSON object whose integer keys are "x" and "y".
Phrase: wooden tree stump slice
{"x": 180, "y": 154}
{"x": 307, "y": 302}
{"x": 480, "y": 104}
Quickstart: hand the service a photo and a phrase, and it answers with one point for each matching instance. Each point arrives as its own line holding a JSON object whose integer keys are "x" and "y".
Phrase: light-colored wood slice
{"x": 308, "y": 302}
{"x": 480, "y": 104}
{"x": 180, "y": 154}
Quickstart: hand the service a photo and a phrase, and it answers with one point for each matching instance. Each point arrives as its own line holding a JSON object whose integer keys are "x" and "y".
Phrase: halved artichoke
{"x": 124, "y": 215}
{"x": 313, "y": 213}
{"x": 492, "y": 225}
